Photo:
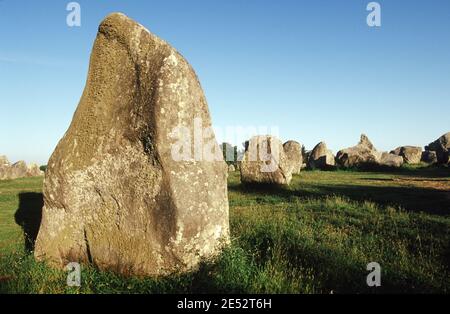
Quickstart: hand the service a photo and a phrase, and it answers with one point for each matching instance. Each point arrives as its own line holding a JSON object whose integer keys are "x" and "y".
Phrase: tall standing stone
{"x": 293, "y": 151}
{"x": 114, "y": 195}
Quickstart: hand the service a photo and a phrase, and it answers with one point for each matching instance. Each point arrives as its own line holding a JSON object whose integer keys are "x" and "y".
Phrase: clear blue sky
{"x": 312, "y": 68}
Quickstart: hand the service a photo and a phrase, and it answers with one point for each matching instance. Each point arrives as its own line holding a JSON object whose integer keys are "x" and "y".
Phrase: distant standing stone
{"x": 429, "y": 156}
{"x": 34, "y": 170}
{"x": 410, "y": 154}
{"x": 390, "y": 160}
{"x": 365, "y": 154}
{"x": 17, "y": 170}
{"x": 293, "y": 151}
{"x": 4, "y": 161}
{"x": 265, "y": 162}
{"x": 442, "y": 147}
{"x": 321, "y": 157}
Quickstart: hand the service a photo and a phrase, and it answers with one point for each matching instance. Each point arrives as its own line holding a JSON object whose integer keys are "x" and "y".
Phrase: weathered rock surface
{"x": 410, "y": 154}
{"x": 114, "y": 195}
{"x": 33, "y": 170}
{"x": 364, "y": 154}
{"x": 321, "y": 157}
{"x": 4, "y": 161}
{"x": 265, "y": 162}
{"x": 364, "y": 140}
{"x": 429, "y": 156}
{"x": 442, "y": 147}
{"x": 293, "y": 151}
{"x": 231, "y": 168}
{"x": 17, "y": 170}
{"x": 390, "y": 160}
{"x": 4, "y": 173}
{"x": 396, "y": 151}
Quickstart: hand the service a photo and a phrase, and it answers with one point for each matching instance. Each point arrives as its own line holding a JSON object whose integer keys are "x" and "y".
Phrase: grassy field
{"x": 315, "y": 236}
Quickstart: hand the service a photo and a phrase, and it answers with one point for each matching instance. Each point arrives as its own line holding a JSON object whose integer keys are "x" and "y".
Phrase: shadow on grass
{"x": 429, "y": 171}
{"x": 28, "y": 216}
{"x": 414, "y": 199}
{"x": 342, "y": 273}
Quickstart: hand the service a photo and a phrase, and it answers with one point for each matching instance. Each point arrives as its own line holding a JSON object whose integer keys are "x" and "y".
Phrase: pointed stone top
{"x": 445, "y": 139}
{"x": 137, "y": 39}
{"x": 364, "y": 140}
{"x": 322, "y": 144}
{"x": 319, "y": 150}
{"x": 20, "y": 163}
{"x": 117, "y": 23}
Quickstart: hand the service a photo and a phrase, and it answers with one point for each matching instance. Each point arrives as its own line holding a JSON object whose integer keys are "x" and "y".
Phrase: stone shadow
{"x": 29, "y": 215}
{"x": 414, "y": 199}
{"x": 429, "y": 172}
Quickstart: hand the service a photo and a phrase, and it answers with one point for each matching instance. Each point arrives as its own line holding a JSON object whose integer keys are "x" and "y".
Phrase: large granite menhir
{"x": 114, "y": 195}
